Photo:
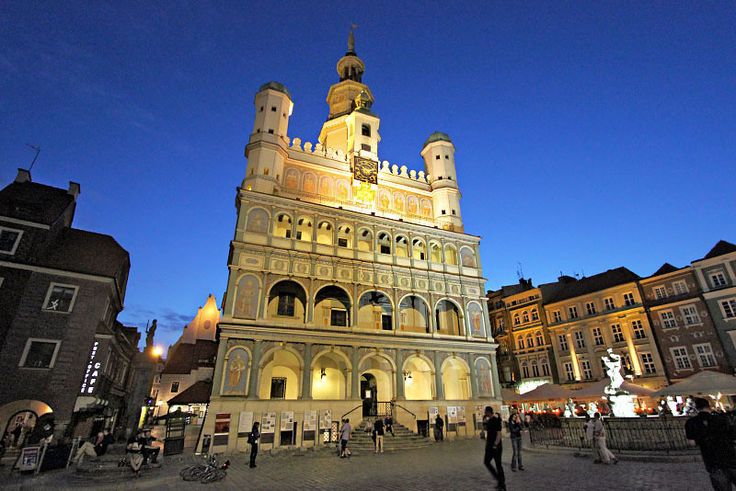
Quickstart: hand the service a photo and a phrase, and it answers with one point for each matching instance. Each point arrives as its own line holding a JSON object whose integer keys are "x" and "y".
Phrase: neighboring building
{"x": 61, "y": 289}
{"x": 190, "y": 362}
{"x": 684, "y": 330}
{"x": 591, "y": 314}
{"x": 351, "y": 281}
{"x": 508, "y": 370}
{"x": 716, "y": 273}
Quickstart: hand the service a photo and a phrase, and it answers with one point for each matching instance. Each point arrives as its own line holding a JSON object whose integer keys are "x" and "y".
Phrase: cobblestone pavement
{"x": 448, "y": 466}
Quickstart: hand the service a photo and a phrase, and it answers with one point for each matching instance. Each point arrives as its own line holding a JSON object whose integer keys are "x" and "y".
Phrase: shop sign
{"x": 92, "y": 373}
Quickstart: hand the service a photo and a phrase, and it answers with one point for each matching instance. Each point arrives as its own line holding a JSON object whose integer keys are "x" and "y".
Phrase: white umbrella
{"x": 706, "y": 382}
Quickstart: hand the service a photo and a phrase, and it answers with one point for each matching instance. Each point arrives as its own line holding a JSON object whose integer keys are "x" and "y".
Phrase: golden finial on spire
{"x": 351, "y": 38}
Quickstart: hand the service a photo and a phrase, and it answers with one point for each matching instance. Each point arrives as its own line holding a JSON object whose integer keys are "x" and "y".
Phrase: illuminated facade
{"x": 351, "y": 280}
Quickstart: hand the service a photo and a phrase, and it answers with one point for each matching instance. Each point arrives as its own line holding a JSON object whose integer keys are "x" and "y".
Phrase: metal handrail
{"x": 402, "y": 407}
{"x": 356, "y": 407}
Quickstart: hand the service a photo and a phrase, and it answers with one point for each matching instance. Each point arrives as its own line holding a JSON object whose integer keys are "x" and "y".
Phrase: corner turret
{"x": 438, "y": 153}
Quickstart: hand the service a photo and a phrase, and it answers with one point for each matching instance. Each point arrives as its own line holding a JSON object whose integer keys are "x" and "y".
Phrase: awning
{"x": 509, "y": 395}
{"x": 198, "y": 393}
{"x": 546, "y": 392}
{"x": 706, "y": 382}
{"x": 596, "y": 390}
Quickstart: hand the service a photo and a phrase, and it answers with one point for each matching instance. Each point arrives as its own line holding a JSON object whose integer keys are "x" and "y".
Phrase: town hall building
{"x": 353, "y": 289}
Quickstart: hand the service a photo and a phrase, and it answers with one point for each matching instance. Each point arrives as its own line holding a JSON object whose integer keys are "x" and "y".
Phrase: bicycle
{"x": 205, "y": 473}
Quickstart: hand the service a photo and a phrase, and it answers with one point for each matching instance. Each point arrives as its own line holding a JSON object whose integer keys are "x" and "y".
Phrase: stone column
{"x": 255, "y": 372}
{"x": 307, "y": 373}
{"x": 494, "y": 374}
{"x": 400, "y": 375}
{"x": 220, "y": 367}
{"x": 472, "y": 375}
{"x": 355, "y": 378}
{"x": 439, "y": 390}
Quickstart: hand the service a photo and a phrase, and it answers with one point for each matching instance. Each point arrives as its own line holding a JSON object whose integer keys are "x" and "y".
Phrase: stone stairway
{"x": 403, "y": 439}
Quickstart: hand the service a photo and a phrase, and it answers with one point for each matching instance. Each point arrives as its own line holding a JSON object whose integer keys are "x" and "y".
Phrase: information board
{"x": 268, "y": 426}
{"x": 245, "y": 423}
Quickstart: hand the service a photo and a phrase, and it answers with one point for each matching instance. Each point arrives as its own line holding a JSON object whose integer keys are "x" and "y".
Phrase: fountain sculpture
{"x": 620, "y": 400}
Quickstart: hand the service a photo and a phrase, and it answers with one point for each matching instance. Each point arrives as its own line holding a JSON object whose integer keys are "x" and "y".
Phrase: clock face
{"x": 365, "y": 170}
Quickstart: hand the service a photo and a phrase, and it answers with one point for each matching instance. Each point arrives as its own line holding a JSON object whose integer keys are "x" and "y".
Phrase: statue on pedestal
{"x": 620, "y": 400}
{"x": 150, "y": 332}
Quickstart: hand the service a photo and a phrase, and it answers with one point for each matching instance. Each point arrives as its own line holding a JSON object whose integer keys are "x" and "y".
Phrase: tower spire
{"x": 351, "y": 39}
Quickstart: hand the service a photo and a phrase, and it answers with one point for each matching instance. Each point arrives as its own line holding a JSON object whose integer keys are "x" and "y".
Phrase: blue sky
{"x": 588, "y": 135}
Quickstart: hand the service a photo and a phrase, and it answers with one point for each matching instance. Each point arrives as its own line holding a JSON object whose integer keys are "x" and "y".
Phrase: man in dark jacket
{"x": 492, "y": 425}
{"x": 714, "y": 435}
{"x": 379, "y": 432}
{"x": 439, "y": 424}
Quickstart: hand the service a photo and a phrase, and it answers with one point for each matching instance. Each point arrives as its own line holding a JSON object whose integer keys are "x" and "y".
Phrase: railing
{"x": 402, "y": 407}
{"x": 351, "y": 411}
{"x": 647, "y": 434}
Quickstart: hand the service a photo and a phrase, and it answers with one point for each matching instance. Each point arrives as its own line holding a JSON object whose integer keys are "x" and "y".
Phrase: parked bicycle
{"x": 207, "y": 472}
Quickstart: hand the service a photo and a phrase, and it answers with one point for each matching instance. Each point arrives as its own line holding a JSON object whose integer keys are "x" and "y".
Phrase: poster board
{"x": 222, "y": 429}
{"x": 325, "y": 425}
{"x": 310, "y": 425}
{"x": 478, "y": 415}
{"x": 29, "y": 458}
{"x": 268, "y": 426}
{"x": 451, "y": 418}
{"x": 286, "y": 434}
{"x": 245, "y": 423}
{"x": 461, "y": 421}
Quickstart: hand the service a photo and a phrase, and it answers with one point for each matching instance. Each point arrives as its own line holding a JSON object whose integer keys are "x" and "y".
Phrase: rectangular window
{"x": 338, "y": 317}
{"x": 535, "y": 315}
{"x": 39, "y": 353}
{"x": 705, "y": 355}
{"x": 365, "y": 147}
{"x": 587, "y": 371}
{"x": 298, "y": 235}
{"x": 638, "y": 328}
{"x": 342, "y": 242}
{"x": 563, "y": 342}
{"x": 680, "y": 287}
{"x": 287, "y": 233}
{"x": 365, "y": 130}
{"x": 386, "y": 323}
{"x": 660, "y": 292}
{"x": 690, "y": 315}
{"x": 629, "y": 299}
{"x": 573, "y": 311}
{"x": 717, "y": 279}
{"x": 545, "y": 368}
{"x": 557, "y": 316}
{"x": 590, "y": 308}
{"x": 579, "y": 339}
{"x": 525, "y": 370}
{"x": 569, "y": 373}
{"x": 598, "y": 336}
{"x": 174, "y": 387}
{"x": 681, "y": 358}
{"x": 647, "y": 361}
{"x": 286, "y": 305}
{"x": 60, "y": 298}
{"x": 535, "y": 370}
{"x": 385, "y": 249}
{"x": 729, "y": 308}
{"x": 618, "y": 335}
{"x": 9, "y": 240}
{"x": 668, "y": 319}
{"x": 278, "y": 387}
{"x": 610, "y": 304}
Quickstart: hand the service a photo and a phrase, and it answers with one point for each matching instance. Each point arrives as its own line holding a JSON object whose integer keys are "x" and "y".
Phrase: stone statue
{"x": 150, "y": 332}
{"x": 613, "y": 370}
{"x": 570, "y": 408}
{"x": 620, "y": 401}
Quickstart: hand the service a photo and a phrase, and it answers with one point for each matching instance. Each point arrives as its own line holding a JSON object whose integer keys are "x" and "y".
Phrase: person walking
{"x": 515, "y": 429}
{"x": 255, "y": 435}
{"x": 714, "y": 435}
{"x": 494, "y": 449}
{"x": 588, "y": 436}
{"x": 379, "y": 431}
{"x": 345, "y": 438}
{"x": 599, "y": 437}
{"x": 439, "y": 424}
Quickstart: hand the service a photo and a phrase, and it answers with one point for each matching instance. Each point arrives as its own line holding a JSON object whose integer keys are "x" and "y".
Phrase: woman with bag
{"x": 515, "y": 428}
{"x": 253, "y": 438}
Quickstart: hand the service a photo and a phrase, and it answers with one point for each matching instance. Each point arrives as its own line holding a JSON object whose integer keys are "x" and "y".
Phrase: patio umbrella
{"x": 547, "y": 392}
{"x": 508, "y": 395}
{"x": 702, "y": 383}
{"x": 596, "y": 390}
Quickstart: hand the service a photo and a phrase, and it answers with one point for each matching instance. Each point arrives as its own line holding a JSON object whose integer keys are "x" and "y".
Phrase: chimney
{"x": 74, "y": 189}
{"x": 23, "y": 175}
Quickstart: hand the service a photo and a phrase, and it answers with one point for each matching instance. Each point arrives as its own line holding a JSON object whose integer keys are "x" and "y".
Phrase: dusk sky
{"x": 589, "y": 135}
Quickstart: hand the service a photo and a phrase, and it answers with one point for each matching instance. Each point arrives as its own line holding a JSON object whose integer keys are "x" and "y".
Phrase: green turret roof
{"x": 436, "y": 137}
{"x": 277, "y": 86}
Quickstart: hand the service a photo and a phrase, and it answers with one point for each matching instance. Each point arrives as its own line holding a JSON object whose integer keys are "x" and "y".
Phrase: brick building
{"x": 61, "y": 289}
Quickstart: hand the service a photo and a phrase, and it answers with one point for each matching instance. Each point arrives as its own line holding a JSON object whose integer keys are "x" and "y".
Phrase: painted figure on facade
{"x": 246, "y": 305}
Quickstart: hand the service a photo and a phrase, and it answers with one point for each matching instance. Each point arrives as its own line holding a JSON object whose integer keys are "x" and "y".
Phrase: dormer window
{"x": 365, "y": 130}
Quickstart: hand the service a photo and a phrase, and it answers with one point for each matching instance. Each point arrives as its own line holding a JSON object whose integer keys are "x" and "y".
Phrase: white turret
{"x": 438, "y": 153}
{"x": 267, "y": 149}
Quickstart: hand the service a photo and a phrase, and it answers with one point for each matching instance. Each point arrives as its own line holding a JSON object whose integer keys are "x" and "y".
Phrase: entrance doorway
{"x": 369, "y": 394}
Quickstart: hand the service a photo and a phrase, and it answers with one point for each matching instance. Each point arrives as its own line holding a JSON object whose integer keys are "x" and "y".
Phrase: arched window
{"x": 375, "y": 311}
{"x": 545, "y": 367}
{"x": 535, "y": 369}
{"x": 450, "y": 255}
{"x": 414, "y": 314}
{"x": 324, "y": 233}
{"x": 525, "y": 370}
{"x": 402, "y": 246}
{"x": 525, "y": 316}
{"x": 282, "y": 226}
{"x": 365, "y": 240}
{"x": 436, "y": 252}
{"x": 535, "y": 315}
{"x": 517, "y": 319}
{"x": 332, "y": 307}
{"x": 418, "y": 249}
{"x": 287, "y": 301}
{"x": 304, "y": 229}
{"x": 529, "y": 341}
{"x": 540, "y": 338}
{"x": 448, "y": 318}
{"x": 344, "y": 236}
{"x": 520, "y": 342}
{"x": 384, "y": 243}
